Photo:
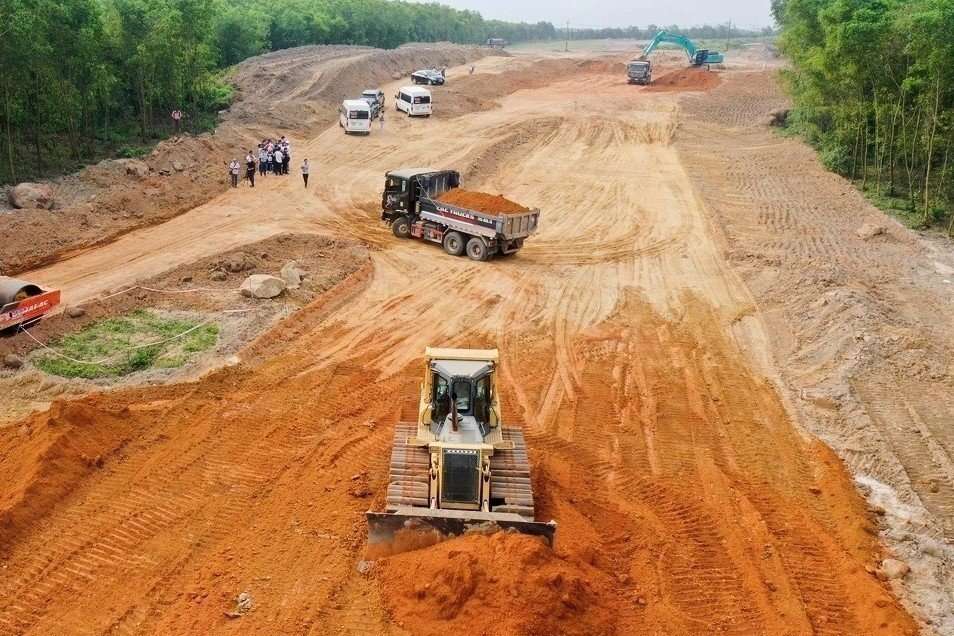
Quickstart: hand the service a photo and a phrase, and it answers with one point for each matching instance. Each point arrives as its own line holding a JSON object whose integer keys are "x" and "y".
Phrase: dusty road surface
{"x": 690, "y": 498}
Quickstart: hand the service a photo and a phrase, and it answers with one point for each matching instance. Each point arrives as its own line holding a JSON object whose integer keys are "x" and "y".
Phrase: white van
{"x": 414, "y": 100}
{"x": 355, "y": 116}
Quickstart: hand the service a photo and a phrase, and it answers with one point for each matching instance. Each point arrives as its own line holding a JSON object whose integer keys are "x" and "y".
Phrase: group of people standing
{"x": 273, "y": 157}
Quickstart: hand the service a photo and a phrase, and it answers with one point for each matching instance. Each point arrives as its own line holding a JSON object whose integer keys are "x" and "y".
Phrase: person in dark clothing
{"x": 250, "y": 168}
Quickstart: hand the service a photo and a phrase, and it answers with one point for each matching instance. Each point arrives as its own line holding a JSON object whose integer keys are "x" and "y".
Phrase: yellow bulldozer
{"x": 459, "y": 467}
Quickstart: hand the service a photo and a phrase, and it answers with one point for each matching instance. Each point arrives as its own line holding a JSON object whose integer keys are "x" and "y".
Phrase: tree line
{"x": 702, "y": 32}
{"x": 872, "y": 83}
{"x": 84, "y": 79}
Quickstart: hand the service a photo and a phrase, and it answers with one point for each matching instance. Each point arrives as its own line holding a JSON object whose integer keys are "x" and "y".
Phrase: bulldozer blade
{"x": 414, "y": 528}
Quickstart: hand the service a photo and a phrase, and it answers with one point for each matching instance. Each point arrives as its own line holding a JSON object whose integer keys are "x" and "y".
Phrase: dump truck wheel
{"x": 454, "y": 243}
{"x": 477, "y": 249}
{"x": 401, "y": 227}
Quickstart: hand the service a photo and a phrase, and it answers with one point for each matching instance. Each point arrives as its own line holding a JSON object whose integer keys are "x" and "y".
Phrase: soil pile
{"x": 687, "y": 79}
{"x": 498, "y": 584}
{"x": 481, "y": 201}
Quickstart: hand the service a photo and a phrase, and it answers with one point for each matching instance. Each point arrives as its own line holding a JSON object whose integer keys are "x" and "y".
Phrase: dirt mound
{"x": 480, "y": 585}
{"x": 481, "y": 201}
{"x": 49, "y": 455}
{"x": 687, "y": 79}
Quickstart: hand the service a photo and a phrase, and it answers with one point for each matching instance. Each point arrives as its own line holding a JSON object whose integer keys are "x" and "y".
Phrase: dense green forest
{"x": 82, "y": 79}
{"x": 872, "y": 83}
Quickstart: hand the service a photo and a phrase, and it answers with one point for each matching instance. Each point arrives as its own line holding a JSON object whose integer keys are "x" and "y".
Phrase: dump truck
{"x": 639, "y": 72}
{"x": 459, "y": 466}
{"x": 412, "y": 206}
{"x": 23, "y": 303}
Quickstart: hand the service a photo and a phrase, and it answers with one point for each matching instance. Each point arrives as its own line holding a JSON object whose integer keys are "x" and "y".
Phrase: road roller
{"x": 23, "y": 303}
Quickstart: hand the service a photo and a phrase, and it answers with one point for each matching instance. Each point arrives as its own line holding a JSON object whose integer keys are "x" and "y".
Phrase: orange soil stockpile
{"x": 481, "y": 201}
{"x": 499, "y": 584}
{"x": 687, "y": 79}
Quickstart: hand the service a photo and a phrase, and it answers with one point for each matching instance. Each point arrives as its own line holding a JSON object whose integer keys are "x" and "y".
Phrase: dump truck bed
{"x": 477, "y": 223}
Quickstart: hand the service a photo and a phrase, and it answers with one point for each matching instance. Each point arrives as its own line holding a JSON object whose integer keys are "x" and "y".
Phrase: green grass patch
{"x": 114, "y": 338}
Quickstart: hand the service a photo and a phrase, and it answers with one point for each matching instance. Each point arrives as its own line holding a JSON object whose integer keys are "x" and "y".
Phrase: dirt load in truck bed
{"x": 481, "y": 202}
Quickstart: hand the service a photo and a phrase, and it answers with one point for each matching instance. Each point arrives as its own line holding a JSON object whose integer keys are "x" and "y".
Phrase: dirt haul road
{"x": 639, "y": 364}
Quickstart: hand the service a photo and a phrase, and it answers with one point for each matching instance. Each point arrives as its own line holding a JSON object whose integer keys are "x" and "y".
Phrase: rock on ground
{"x": 893, "y": 569}
{"x": 135, "y": 167}
{"x": 12, "y": 361}
{"x": 869, "y": 230}
{"x": 263, "y": 286}
{"x": 292, "y": 274}
{"x": 32, "y": 196}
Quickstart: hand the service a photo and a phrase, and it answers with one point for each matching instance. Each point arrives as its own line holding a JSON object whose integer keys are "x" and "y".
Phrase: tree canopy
{"x": 873, "y": 88}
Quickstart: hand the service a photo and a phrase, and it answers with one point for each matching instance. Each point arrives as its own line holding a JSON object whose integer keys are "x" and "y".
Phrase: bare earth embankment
{"x": 861, "y": 328}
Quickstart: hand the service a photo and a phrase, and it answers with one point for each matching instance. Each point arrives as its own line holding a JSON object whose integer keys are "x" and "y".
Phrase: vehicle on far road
{"x": 375, "y": 99}
{"x": 355, "y": 116}
{"x": 413, "y": 100}
{"x": 429, "y": 77}
{"x": 639, "y": 72}
{"x": 496, "y": 43}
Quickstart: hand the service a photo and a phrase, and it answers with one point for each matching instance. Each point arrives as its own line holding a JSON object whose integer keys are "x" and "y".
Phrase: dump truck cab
{"x": 458, "y": 466}
{"x": 639, "y": 72}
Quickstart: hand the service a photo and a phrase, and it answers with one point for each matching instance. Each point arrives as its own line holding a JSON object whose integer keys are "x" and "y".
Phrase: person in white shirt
{"x": 262, "y": 160}
{"x": 234, "y": 169}
{"x": 304, "y": 172}
{"x": 279, "y": 159}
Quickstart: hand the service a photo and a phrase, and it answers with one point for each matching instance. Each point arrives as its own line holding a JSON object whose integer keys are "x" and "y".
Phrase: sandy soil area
{"x": 639, "y": 351}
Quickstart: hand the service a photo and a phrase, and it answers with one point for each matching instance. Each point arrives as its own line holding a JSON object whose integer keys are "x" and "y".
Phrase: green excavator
{"x": 697, "y": 56}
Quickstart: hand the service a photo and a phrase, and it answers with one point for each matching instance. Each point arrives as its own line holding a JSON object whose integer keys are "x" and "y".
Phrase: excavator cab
{"x": 458, "y": 467}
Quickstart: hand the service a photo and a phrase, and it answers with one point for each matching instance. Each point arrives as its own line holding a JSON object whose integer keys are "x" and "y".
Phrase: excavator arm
{"x": 672, "y": 38}
{"x": 697, "y": 56}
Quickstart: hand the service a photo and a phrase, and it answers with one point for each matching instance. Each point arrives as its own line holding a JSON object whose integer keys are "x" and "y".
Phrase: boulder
{"x": 135, "y": 167}
{"x": 32, "y": 196}
{"x": 893, "y": 569}
{"x": 178, "y": 166}
{"x": 75, "y": 312}
{"x": 218, "y": 275}
{"x": 778, "y": 117}
{"x": 12, "y": 361}
{"x": 869, "y": 230}
{"x": 292, "y": 274}
{"x": 263, "y": 286}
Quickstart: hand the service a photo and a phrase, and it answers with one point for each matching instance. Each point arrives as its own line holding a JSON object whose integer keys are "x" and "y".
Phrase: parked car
{"x": 375, "y": 99}
{"x": 429, "y": 76}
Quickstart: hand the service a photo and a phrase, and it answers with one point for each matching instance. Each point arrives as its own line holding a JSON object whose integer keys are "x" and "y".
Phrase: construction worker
{"x": 234, "y": 169}
{"x": 250, "y": 168}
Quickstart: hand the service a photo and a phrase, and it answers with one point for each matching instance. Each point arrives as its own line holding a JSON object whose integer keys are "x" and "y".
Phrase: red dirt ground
{"x": 687, "y": 79}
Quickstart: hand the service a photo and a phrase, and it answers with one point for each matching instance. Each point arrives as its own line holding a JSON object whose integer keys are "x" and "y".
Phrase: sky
{"x": 618, "y": 13}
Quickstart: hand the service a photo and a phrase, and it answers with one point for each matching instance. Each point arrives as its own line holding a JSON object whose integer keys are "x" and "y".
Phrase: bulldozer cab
{"x": 461, "y": 394}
